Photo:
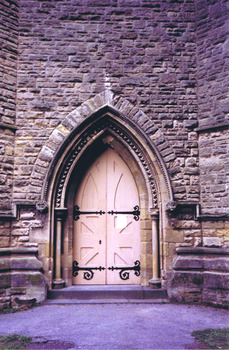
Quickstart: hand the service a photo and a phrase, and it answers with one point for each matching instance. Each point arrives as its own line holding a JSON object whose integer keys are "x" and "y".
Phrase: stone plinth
{"x": 200, "y": 275}
{"x": 22, "y": 282}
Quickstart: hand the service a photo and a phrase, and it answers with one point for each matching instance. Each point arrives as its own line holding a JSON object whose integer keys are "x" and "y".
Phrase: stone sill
{"x": 7, "y": 216}
{"x": 212, "y": 217}
{"x": 202, "y": 251}
{"x": 210, "y": 128}
{"x": 8, "y": 126}
{"x": 18, "y": 250}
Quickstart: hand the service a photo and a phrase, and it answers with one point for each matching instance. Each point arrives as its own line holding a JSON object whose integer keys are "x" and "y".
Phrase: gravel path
{"x": 113, "y": 326}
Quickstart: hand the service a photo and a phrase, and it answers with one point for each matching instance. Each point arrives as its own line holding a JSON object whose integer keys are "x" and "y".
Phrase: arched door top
{"x": 81, "y": 127}
{"x": 109, "y": 130}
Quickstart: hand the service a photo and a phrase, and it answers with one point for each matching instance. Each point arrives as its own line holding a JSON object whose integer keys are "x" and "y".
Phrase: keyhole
{"x": 100, "y": 242}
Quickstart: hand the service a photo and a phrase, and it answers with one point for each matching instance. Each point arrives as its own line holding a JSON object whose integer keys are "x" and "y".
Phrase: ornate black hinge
{"x": 77, "y": 212}
{"x": 135, "y": 212}
{"x": 124, "y": 275}
{"x": 89, "y": 274}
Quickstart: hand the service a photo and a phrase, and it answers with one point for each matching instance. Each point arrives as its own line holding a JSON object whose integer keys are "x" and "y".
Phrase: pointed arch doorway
{"x": 105, "y": 129}
{"x": 106, "y": 231}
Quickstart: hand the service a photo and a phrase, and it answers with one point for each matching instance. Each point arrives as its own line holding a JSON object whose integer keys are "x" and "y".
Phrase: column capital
{"x": 61, "y": 213}
{"x": 154, "y": 212}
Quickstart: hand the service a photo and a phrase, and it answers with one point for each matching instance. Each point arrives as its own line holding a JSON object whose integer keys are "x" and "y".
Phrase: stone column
{"x": 60, "y": 215}
{"x": 155, "y": 281}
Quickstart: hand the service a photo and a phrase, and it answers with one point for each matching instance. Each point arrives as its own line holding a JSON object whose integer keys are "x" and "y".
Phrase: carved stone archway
{"x": 130, "y": 130}
{"x": 66, "y": 131}
{"x": 154, "y": 187}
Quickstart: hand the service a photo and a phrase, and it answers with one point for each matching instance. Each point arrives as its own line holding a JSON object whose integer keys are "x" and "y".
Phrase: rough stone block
{"x": 217, "y": 264}
{"x": 216, "y": 280}
{"x": 185, "y": 287}
{"x": 211, "y": 276}
{"x": 23, "y": 279}
{"x": 5, "y": 264}
{"x": 25, "y": 263}
{"x": 5, "y": 280}
{"x": 46, "y": 154}
{"x": 216, "y": 297}
{"x": 212, "y": 242}
{"x": 190, "y": 263}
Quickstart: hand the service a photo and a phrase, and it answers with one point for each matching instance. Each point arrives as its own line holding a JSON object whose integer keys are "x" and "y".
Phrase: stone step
{"x": 106, "y": 293}
{"x": 104, "y": 301}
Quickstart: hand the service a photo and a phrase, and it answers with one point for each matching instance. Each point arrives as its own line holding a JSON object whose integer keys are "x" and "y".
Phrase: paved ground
{"x": 113, "y": 326}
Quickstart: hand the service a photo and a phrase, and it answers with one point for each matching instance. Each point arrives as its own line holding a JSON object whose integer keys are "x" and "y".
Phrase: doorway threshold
{"x": 106, "y": 294}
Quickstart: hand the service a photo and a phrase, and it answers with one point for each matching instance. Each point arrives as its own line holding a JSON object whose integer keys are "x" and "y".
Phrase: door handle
{"x": 100, "y": 242}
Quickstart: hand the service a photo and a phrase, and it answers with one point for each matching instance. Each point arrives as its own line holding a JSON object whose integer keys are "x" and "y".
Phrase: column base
{"x": 155, "y": 283}
{"x": 58, "y": 284}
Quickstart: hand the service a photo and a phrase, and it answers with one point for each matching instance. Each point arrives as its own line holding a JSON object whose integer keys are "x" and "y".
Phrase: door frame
{"x": 107, "y": 127}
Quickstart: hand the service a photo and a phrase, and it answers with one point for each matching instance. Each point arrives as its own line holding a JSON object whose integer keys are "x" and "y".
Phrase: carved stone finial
{"x": 171, "y": 206}
{"x": 42, "y": 206}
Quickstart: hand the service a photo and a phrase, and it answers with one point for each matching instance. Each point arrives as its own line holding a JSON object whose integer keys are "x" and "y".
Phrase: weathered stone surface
{"x": 217, "y": 264}
{"x": 216, "y": 281}
{"x": 214, "y": 173}
{"x": 185, "y": 224}
{"x": 8, "y": 60}
{"x": 25, "y": 263}
{"x": 9, "y": 13}
{"x": 200, "y": 275}
{"x": 67, "y": 76}
{"x": 185, "y": 287}
{"x": 21, "y": 277}
{"x": 194, "y": 263}
{"x": 212, "y": 242}
{"x": 210, "y": 55}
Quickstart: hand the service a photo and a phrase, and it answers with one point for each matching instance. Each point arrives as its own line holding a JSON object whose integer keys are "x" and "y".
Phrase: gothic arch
{"x": 103, "y": 116}
{"x": 63, "y": 137}
{"x": 106, "y": 124}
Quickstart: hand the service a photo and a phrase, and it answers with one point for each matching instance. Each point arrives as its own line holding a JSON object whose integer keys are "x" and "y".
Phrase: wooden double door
{"x": 106, "y": 238}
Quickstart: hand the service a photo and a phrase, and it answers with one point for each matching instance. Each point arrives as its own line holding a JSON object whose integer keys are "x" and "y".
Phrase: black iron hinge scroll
{"x": 124, "y": 275}
{"x": 88, "y": 274}
{"x": 135, "y": 212}
{"x": 77, "y": 212}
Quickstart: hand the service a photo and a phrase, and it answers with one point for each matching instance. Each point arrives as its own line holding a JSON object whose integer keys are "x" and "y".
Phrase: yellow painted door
{"x": 104, "y": 245}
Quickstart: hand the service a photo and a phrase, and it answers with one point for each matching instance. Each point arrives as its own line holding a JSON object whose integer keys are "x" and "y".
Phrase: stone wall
{"x": 6, "y": 169}
{"x": 214, "y": 172}
{"x": 213, "y": 111}
{"x": 212, "y": 61}
{"x": 8, "y": 78}
{"x": 8, "y": 59}
{"x": 145, "y": 53}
